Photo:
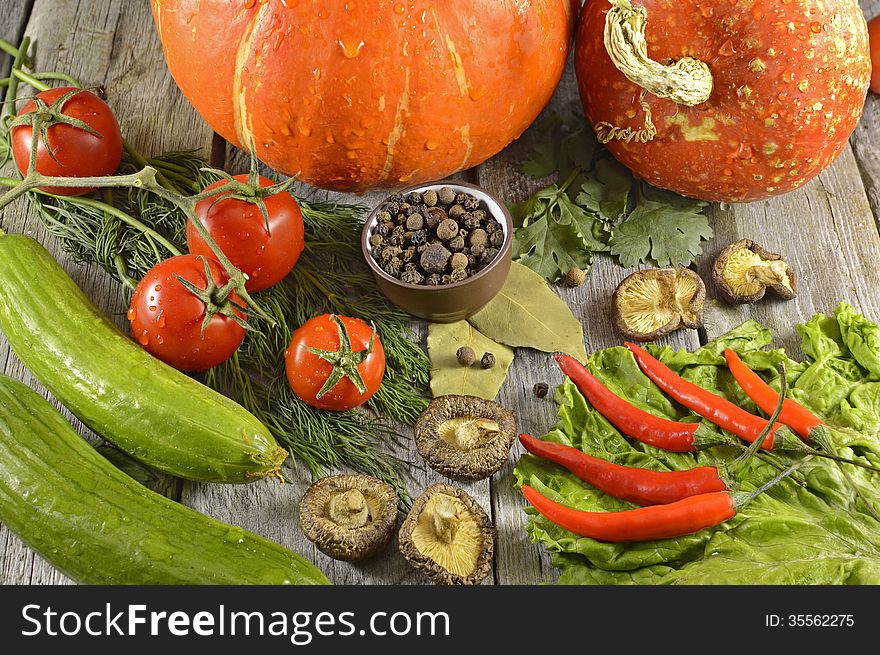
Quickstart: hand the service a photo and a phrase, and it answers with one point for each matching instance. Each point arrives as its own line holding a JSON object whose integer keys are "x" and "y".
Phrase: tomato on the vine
{"x": 175, "y": 325}
{"x": 79, "y": 137}
{"x": 335, "y": 362}
{"x": 266, "y": 256}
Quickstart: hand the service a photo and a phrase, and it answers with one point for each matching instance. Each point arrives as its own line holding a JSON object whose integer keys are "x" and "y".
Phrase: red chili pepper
{"x": 657, "y": 522}
{"x": 637, "y": 485}
{"x": 720, "y": 411}
{"x": 634, "y": 422}
{"x": 793, "y": 414}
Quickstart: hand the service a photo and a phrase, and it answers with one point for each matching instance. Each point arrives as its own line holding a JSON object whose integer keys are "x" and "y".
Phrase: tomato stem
{"x": 12, "y": 93}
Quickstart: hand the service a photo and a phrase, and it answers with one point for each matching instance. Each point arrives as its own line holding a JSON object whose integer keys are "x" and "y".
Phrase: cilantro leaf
{"x": 550, "y": 248}
{"x": 586, "y": 223}
{"x": 607, "y": 191}
{"x": 667, "y": 232}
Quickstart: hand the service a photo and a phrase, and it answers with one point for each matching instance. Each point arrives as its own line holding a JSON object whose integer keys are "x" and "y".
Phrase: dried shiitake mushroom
{"x": 743, "y": 272}
{"x": 349, "y": 517}
{"x": 652, "y": 303}
{"x": 465, "y": 437}
{"x": 448, "y": 536}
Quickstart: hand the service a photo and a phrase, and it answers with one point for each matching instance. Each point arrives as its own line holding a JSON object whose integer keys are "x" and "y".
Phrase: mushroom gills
{"x": 447, "y": 533}
{"x": 747, "y": 274}
{"x": 469, "y": 432}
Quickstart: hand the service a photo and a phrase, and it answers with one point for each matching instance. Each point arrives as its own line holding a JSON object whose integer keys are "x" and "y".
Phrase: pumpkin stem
{"x": 688, "y": 81}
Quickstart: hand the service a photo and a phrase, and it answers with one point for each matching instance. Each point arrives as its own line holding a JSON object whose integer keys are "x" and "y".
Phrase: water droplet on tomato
{"x": 161, "y": 320}
{"x": 159, "y": 339}
{"x": 153, "y": 308}
{"x": 286, "y": 353}
{"x": 132, "y": 314}
{"x": 144, "y": 338}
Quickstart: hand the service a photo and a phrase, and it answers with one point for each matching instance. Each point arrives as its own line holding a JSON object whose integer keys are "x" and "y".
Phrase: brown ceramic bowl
{"x": 449, "y": 302}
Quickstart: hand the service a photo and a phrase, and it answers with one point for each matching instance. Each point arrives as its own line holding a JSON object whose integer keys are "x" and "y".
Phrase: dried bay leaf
{"x": 528, "y": 313}
{"x": 450, "y": 377}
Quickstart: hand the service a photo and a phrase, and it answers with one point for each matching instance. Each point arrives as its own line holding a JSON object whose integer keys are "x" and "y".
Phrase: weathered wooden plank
{"x": 518, "y": 561}
{"x": 826, "y": 231}
{"x": 110, "y": 44}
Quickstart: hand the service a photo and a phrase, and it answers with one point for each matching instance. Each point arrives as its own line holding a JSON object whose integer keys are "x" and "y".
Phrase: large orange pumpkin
{"x": 361, "y": 94}
{"x": 785, "y": 89}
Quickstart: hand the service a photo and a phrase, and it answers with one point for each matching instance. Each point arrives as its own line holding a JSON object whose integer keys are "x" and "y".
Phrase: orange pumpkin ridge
{"x": 370, "y": 94}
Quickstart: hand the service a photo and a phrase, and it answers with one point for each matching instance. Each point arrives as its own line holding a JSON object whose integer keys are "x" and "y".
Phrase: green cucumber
{"x": 149, "y": 410}
{"x": 98, "y": 526}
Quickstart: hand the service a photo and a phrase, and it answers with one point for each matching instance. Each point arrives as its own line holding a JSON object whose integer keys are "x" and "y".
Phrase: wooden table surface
{"x": 828, "y": 231}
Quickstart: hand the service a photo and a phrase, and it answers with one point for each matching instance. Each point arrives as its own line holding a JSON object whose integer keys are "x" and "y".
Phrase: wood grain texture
{"x": 828, "y": 231}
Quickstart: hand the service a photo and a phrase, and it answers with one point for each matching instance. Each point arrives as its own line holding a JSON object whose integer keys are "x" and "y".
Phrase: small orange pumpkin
{"x": 367, "y": 93}
{"x": 728, "y": 100}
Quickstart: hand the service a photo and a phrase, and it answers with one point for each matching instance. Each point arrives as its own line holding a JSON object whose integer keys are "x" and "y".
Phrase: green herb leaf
{"x": 448, "y": 376}
{"x": 526, "y": 312}
{"x": 665, "y": 232}
{"x": 607, "y": 191}
{"x": 551, "y": 248}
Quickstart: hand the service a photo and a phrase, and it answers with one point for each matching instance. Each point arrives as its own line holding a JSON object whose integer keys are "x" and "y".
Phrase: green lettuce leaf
{"x": 816, "y": 532}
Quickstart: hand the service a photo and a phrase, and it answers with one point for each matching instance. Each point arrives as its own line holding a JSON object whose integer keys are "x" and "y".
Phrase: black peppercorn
{"x": 456, "y": 244}
{"x": 497, "y": 238}
{"x": 419, "y": 237}
{"x": 376, "y": 240}
{"x": 470, "y": 221}
{"x": 541, "y": 389}
{"x": 458, "y": 275}
{"x": 394, "y": 267}
{"x": 412, "y": 277}
{"x": 488, "y": 360}
{"x": 434, "y": 216}
{"x": 433, "y": 280}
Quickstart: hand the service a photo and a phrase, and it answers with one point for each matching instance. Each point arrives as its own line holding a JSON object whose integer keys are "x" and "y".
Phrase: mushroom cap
{"x": 465, "y": 437}
{"x": 460, "y": 556}
{"x": 743, "y": 272}
{"x": 367, "y": 504}
{"x": 651, "y": 303}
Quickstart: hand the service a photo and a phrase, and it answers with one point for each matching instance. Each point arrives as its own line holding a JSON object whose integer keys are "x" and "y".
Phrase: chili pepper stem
{"x": 743, "y": 459}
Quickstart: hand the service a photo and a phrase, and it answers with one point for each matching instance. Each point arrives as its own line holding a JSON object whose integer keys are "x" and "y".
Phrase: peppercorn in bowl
{"x": 439, "y": 251}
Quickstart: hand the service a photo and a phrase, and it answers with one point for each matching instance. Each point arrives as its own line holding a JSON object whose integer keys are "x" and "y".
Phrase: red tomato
{"x": 874, "y": 41}
{"x": 78, "y": 153}
{"x": 239, "y": 228}
{"x": 166, "y": 318}
{"x": 307, "y": 372}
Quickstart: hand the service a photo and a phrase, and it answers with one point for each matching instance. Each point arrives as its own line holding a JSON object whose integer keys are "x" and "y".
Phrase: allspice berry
{"x": 466, "y": 356}
{"x": 459, "y": 260}
{"x": 575, "y": 277}
{"x": 488, "y": 360}
{"x": 541, "y": 389}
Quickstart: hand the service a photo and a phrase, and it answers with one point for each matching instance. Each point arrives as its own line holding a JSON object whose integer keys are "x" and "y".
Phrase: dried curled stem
{"x": 687, "y": 81}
